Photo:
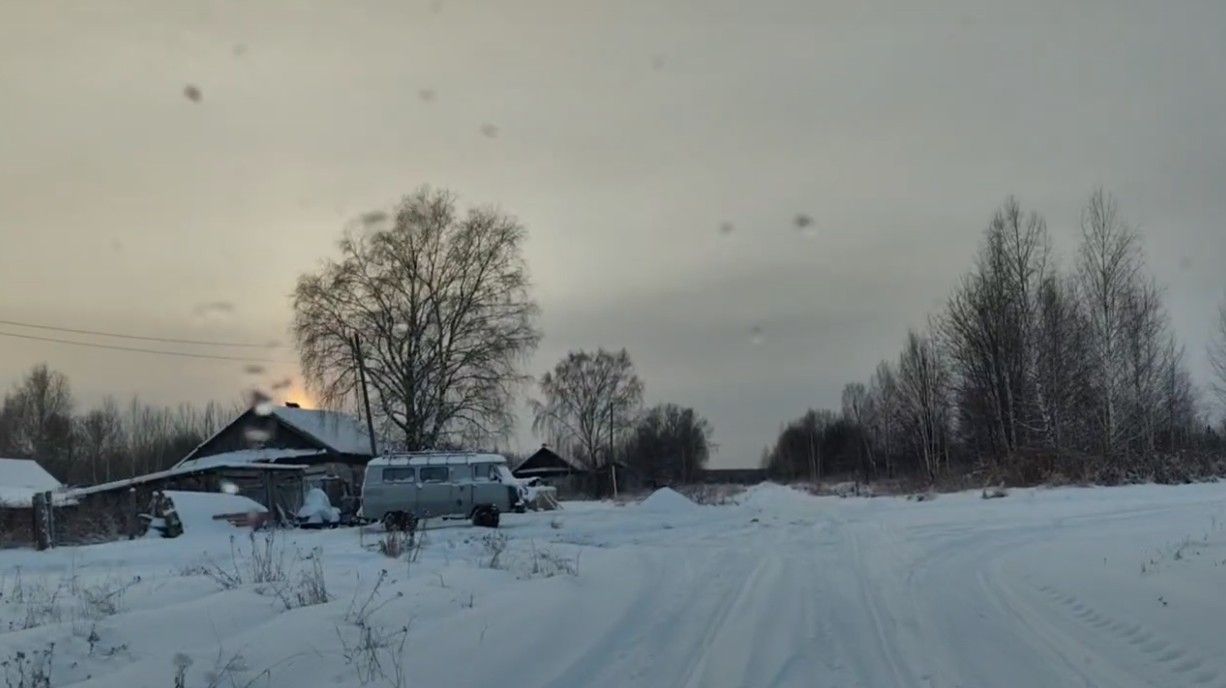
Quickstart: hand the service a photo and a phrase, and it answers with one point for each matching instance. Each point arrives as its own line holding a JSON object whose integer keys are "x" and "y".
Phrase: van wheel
{"x": 486, "y": 517}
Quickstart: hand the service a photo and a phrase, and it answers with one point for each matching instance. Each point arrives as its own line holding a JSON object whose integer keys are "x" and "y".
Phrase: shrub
{"x": 28, "y": 669}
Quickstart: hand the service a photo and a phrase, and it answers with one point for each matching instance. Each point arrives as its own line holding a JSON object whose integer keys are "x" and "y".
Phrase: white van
{"x": 401, "y": 489}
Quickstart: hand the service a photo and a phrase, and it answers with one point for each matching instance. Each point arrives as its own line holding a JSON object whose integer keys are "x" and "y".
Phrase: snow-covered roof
{"x": 437, "y": 459}
{"x": 547, "y": 460}
{"x": 246, "y": 456}
{"x": 21, "y": 478}
{"x": 26, "y": 473}
{"x": 340, "y": 431}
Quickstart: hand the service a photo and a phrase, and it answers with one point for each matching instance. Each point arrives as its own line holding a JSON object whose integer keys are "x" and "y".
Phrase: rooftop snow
{"x": 340, "y": 431}
{"x": 21, "y": 478}
{"x": 460, "y": 458}
{"x": 26, "y": 473}
{"x": 243, "y": 456}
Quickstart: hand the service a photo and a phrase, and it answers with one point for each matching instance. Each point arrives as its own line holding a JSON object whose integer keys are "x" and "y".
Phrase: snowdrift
{"x": 317, "y": 510}
{"x": 197, "y": 509}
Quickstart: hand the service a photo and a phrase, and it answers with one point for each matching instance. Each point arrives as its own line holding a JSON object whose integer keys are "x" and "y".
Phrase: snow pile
{"x": 317, "y": 509}
{"x": 667, "y": 501}
{"x": 197, "y": 509}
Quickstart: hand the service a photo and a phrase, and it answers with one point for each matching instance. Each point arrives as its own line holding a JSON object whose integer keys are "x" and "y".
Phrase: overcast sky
{"x": 623, "y": 135}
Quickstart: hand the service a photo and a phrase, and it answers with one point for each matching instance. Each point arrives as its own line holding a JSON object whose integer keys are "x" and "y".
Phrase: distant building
{"x": 575, "y": 481}
{"x": 570, "y": 479}
{"x": 733, "y": 476}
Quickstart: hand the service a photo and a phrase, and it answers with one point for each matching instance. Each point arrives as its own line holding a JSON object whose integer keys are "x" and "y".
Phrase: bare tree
{"x": 1109, "y": 261}
{"x": 102, "y": 440}
{"x": 884, "y": 421}
{"x": 1062, "y": 366}
{"x": 858, "y": 410}
{"x": 989, "y": 330}
{"x": 669, "y": 443}
{"x": 1178, "y": 414}
{"x": 923, "y": 392}
{"x": 588, "y": 401}
{"x": 1147, "y": 358}
{"x": 1217, "y": 355}
{"x": 38, "y": 419}
{"x": 440, "y": 305}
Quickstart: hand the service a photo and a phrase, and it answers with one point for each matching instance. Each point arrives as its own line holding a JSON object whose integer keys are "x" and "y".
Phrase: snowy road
{"x": 1073, "y": 587}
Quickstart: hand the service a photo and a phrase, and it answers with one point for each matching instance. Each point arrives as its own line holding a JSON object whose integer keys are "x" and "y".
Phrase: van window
{"x": 485, "y": 472}
{"x": 402, "y": 474}
{"x": 434, "y": 474}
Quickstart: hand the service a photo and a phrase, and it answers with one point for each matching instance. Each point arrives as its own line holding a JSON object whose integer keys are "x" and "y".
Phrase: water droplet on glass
{"x": 426, "y": 95}
{"x": 260, "y": 402}
{"x": 214, "y": 310}
{"x": 804, "y": 225}
{"x": 489, "y": 131}
{"x": 1185, "y": 263}
{"x": 657, "y": 62}
{"x": 239, "y": 49}
{"x": 757, "y": 335}
{"x": 283, "y": 384}
{"x": 272, "y": 344}
{"x": 726, "y": 228}
{"x": 116, "y": 245}
{"x": 375, "y": 217}
{"x": 253, "y": 369}
{"x": 256, "y": 434}
{"x": 192, "y": 93}
{"x": 436, "y": 6}
{"x": 228, "y": 487}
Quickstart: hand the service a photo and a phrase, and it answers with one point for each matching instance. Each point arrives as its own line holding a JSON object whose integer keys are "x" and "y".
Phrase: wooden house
{"x": 570, "y": 479}
{"x": 333, "y": 448}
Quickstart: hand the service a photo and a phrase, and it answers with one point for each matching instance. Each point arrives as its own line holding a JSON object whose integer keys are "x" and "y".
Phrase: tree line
{"x": 39, "y": 420}
{"x": 1030, "y": 372}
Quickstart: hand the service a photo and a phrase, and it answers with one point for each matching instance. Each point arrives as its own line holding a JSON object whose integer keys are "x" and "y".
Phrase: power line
{"x": 159, "y": 352}
{"x": 167, "y": 340}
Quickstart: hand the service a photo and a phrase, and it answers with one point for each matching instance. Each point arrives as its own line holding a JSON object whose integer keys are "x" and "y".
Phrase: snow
{"x": 340, "y": 431}
{"x": 1046, "y": 587}
{"x": 197, "y": 509}
{"x": 20, "y": 479}
{"x": 667, "y": 501}
{"x": 317, "y": 509}
{"x": 241, "y": 456}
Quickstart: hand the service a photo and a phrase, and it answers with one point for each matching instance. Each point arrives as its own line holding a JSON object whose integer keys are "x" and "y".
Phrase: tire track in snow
{"x": 1179, "y": 664}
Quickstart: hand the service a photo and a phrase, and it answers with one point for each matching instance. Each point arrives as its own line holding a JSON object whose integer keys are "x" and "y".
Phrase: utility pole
{"x": 370, "y": 423}
{"x": 612, "y": 464}
{"x": 812, "y": 457}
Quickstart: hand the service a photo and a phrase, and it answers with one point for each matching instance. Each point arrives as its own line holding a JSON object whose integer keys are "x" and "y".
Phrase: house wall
{"x": 113, "y": 514}
{"x": 16, "y": 527}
